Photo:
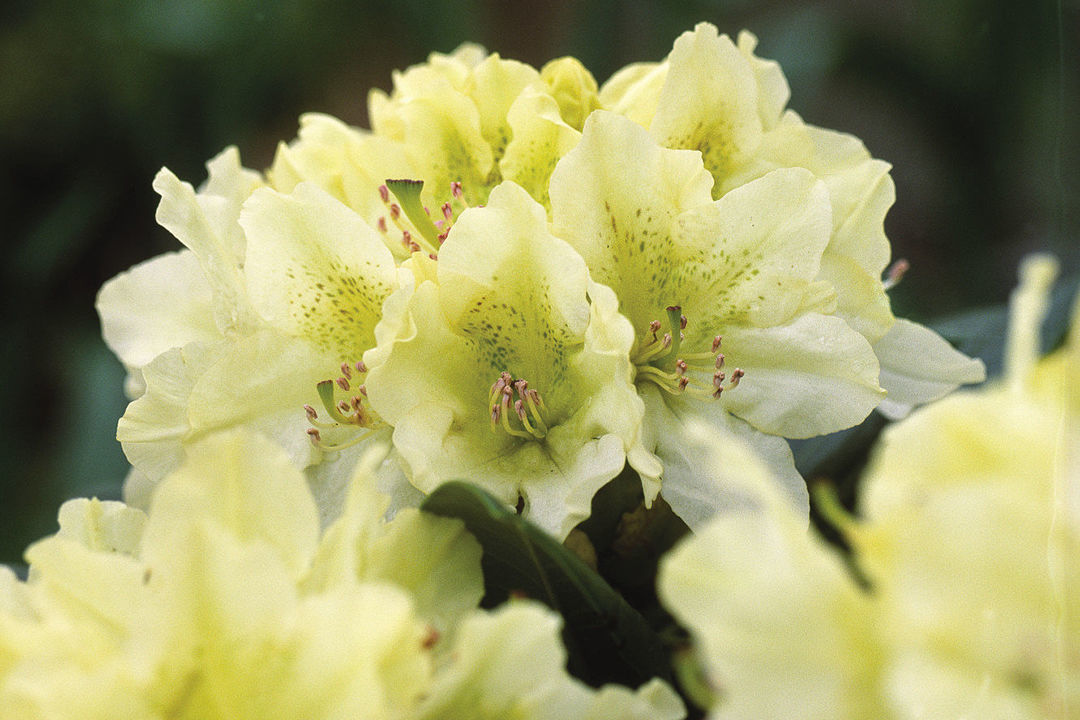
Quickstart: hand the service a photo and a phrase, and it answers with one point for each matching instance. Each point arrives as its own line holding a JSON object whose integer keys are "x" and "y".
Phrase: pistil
{"x": 346, "y": 413}
{"x": 422, "y": 234}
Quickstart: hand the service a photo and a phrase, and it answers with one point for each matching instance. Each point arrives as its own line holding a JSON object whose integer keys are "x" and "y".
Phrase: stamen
{"x": 662, "y": 362}
{"x": 895, "y": 273}
{"x": 655, "y": 351}
{"x": 351, "y": 420}
{"x": 509, "y": 398}
{"x": 335, "y": 447}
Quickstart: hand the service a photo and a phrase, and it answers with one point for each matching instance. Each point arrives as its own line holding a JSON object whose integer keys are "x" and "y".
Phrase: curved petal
{"x": 245, "y": 483}
{"x": 614, "y": 197}
{"x": 202, "y": 222}
{"x": 712, "y": 461}
{"x": 749, "y": 258}
{"x": 494, "y": 84}
{"x": 862, "y": 192}
{"x": 918, "y": 366}
{"x": 811, "y": 377}
{"x": 634, "y": 91}
{"x": 261, "y": 381}
{"x": 316, "y": 269}
{"x": 781, "y": 626}
{"x": 158, "y": 305}
{"x": 540, "y": 138}
{"x": 709, "y": 101}
{"x": 107, "y": 526}
{"x": 773, "y": 90}
{"x": 155, "y": 425}
{"x": 573, "y": 87}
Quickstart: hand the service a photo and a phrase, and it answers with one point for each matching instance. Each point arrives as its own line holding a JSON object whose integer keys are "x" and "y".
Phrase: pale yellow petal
{"x": 710, "y": 101}
{"x": 540, "y": 139}
{"x": 244, "y": 483}
{"x": 811, "y": 377}
{"x": 919, "y": 366}
{"x": 109, "y": 526}
{"x": 158, "y": 305}
{"x": 316, "y": 269}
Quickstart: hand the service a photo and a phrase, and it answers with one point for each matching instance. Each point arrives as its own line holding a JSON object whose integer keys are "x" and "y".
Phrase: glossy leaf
{"x": 607, "y": 639}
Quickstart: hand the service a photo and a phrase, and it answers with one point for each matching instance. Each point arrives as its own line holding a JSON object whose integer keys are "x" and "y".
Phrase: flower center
{"x": 420, "y": 233}
{"x": 661, "y": 360}
{"x": 344, "y": 404}
{"x": 517, "y": 409}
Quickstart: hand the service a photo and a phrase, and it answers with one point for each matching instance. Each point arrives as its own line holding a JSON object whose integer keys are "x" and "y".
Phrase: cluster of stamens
{"x": 344, "y": 404}
{"x": 509, "y": 399}
{"x": 402, "y": 201}
{"x": 660, "y": 361}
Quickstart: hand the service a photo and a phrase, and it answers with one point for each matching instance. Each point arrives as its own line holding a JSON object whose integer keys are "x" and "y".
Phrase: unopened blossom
{"x": 713, "y": 95}
{"x": 228, "y": 601}
{"x": 504, "y": 364}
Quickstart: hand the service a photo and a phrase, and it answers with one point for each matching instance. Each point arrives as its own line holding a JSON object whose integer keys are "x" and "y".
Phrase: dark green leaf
{"x": 981, "y": 332}
{"x": 607, "y": 640}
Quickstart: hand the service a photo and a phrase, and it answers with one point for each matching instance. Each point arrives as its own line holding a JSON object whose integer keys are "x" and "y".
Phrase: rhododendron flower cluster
{"x": 485, "y": 412}
{"x": 673, "y": 245}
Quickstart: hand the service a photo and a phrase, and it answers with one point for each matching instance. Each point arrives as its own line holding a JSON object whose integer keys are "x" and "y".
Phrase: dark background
{"x": 974, "y": 103}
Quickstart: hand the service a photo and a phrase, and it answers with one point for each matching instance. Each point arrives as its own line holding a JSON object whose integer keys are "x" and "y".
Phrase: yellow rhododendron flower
{"x": 227, "y": 601}
{"x": 715, "y": 96}
{"x": 730, "y": 323}
{"x": 685, "y": 188}
{"x": 275, "y": 293}
{"x": 509, "y": 367}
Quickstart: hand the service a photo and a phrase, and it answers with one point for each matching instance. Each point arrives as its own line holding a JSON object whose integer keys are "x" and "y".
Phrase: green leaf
{"x": 607, "y": 640}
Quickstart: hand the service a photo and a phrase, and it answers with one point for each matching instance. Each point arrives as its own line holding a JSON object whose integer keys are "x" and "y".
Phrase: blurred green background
{"x": 974, "y": 102}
